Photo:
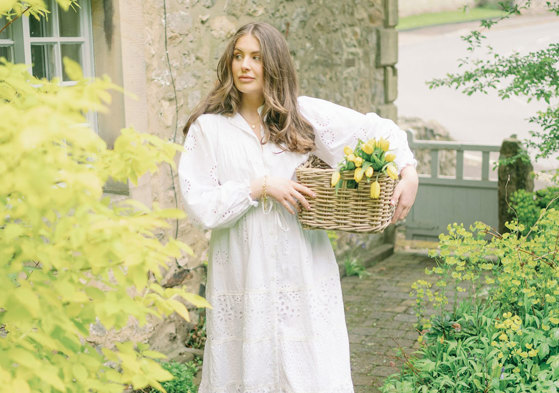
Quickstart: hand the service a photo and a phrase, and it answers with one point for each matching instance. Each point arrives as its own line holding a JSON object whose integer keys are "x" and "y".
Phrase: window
{"x": 44, "y": 43}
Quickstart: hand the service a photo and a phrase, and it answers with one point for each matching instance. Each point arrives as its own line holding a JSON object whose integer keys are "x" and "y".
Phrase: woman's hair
{"x": 285, "y": 124}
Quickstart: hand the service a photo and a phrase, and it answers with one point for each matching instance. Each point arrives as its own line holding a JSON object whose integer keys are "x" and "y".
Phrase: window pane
{"x": 73, "y": 51}
{"x": 41, "y": 27}
{"x": 6, "y": 52}
{"x": 42, "y": 57}
{"x": 69, "y": 22}
{"x": 7, "y": 33}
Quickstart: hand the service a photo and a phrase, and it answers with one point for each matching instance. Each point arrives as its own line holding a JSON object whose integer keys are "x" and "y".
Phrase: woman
{"x": 277, "y": 323}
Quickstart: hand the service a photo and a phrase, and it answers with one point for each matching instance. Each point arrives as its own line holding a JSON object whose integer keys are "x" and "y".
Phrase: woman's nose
{"x": 246, "y": 63}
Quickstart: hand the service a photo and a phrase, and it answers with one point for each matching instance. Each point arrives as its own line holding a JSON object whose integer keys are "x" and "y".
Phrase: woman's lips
{"x": 246, "y": 78}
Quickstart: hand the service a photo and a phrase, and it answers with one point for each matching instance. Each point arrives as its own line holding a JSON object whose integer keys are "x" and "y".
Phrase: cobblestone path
{"x": 380, "y": 317}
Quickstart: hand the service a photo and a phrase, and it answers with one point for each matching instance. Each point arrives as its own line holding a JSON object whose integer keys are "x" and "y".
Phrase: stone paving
{"x": 380, "y": 317}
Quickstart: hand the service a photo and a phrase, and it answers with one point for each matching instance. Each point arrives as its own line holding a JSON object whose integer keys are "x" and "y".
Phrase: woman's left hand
{"x": 404, "y": 193}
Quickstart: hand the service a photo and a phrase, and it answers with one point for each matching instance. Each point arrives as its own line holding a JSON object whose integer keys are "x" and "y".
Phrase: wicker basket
{"x": 349, "y": 210}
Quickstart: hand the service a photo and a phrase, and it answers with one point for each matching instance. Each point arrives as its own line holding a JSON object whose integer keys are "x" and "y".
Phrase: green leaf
{"x": 73, "y": 69}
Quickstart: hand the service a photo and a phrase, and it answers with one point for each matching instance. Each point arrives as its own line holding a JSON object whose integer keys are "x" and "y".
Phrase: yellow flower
{"x": 383, "y": 144}
{"x": 375, "y": 189}
{"x": 529, "y": 346}
{"x": 545, "y": 327}
{"x": 358, "y": 174}
{"x": 494, "y": 343}
{"x": 500, "y": 355}
{"x": 348, "y": 150}
{"x": 358, "y": 161}
{"x": 516, "y": 370}
{"x": 554, "y": 320}
{"x": 335, "y": 178}
{"x": 523, "y": 354}
{"x": 369, "y": 171}
{"x": 489, "y": 280}
{"x": 390, "y": 157}
{"x": 351, "y": 157}
{"x": 503, "y": 337}
{"x": 441, "y": 339}
{"x": 516, "y": 282}
{"x": 372, "y": 142}
{"x": 391, "y": 171}
{"x": 367, "y": 148}
{"x": 507, "y": 315}
{"x": 533, "y": 353}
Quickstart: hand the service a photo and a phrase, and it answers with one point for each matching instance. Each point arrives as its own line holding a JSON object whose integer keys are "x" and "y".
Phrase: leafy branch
{"x": 534, "y": 76}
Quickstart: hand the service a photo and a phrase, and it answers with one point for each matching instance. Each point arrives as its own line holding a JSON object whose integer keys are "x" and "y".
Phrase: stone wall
{"x": 344, "y": 52}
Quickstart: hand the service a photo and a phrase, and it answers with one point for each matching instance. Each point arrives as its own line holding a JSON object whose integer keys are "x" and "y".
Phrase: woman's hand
{"x": 404, "y": 193}
{"x": 287, "y": 192}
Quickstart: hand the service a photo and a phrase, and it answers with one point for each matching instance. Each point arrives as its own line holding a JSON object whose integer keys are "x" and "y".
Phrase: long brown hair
{"x": 286, "y": 126}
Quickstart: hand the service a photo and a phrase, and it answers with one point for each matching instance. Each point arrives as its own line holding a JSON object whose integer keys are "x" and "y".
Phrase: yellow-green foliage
{"x": 69, "y": 257}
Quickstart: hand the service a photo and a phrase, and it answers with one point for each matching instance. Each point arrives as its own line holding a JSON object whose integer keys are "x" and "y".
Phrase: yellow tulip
{"x": 383, "y": 144}
{"x": 375, "y": 190}
{"x": 369, "y": 171}
{"x": 348, "y": 150}
{"x": 390, "y": 157}
{"x": 358, "y": 174}
{"x": 358, "y": 161}
{"x": 391, "y": 171}
{"x": 372, "y": 142}
{"x": 335, "y": 178}
{"x": 351, "y": 157}
{"x": 367, "y": 148}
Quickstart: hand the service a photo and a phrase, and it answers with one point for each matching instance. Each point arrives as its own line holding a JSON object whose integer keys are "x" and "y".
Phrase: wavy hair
{"x": 285, "y": 124}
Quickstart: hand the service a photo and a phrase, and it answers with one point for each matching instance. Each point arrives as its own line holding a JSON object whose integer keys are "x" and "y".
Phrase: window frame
{"x": 21, "y": 42}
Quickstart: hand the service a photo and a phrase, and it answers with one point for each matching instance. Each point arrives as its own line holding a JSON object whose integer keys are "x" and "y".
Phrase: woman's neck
{"x": 250, "y": 104}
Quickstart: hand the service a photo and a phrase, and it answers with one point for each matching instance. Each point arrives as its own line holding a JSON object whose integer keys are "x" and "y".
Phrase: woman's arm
{"x": 337, "y": 126}
{"x": 209, "y": 202}
{"x": 405, "y": 193}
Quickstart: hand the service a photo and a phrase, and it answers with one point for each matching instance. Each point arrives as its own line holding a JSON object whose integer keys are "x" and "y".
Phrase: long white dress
{"x": 277, "y": 323}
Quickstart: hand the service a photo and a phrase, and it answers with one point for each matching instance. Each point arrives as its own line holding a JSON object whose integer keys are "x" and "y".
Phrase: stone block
{"x": 388, "y": 111}
{"x": 390, "y": 84}
{"x": 387, "y": 47}
{"x": 390, "y": 13}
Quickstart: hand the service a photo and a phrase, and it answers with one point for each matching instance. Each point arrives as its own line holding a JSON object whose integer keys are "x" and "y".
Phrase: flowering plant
{"x": 366, "y": 160}
{"x": 495, "y": 325}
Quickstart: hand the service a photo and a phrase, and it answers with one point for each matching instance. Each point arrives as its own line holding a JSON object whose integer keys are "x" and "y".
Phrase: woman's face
{"x": 248, "y": 72}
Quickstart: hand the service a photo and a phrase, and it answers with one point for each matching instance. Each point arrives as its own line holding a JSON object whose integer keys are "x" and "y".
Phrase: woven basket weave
{"x": 349, "y": 210}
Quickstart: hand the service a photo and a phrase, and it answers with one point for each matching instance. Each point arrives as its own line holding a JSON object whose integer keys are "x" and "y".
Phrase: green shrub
{"x": 527, "y": 206}
{"x": 495, "y": 324}
{"x": 69, "y": 257}
{"x": 183, "y": 376}
{"x": 353, "y": 267}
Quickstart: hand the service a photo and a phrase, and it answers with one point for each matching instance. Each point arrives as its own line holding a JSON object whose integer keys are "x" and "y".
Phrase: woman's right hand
{"x": 286, "y": 191}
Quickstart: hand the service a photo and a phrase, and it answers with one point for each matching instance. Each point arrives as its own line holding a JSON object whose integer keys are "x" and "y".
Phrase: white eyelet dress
{"x": 277, "y": 324}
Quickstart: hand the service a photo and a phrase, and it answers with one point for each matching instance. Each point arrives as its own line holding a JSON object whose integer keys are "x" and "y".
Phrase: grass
{"x": 441, "y": 18}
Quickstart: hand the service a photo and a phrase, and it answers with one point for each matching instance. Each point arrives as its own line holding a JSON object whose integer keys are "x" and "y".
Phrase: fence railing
{"x": 444, "y": 199}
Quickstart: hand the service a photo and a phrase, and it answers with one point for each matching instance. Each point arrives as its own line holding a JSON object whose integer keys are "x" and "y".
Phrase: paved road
{"x": 380, "y": 317}
{"x": 432, "y": 52}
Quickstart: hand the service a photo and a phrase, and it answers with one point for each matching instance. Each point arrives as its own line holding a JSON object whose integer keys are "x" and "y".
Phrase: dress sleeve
{"x": 337, "y": 126}
{"x": 211, "y": 203}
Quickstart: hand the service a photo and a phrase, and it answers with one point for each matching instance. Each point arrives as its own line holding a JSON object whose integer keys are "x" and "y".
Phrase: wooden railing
{"x": 446, "y": 199}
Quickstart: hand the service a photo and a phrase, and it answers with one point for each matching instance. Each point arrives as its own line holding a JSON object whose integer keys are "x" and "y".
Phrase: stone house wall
{"x": 166, "y": 52}
{"x": 344, "y": 52}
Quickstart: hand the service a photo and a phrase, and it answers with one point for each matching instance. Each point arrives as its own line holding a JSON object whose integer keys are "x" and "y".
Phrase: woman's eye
{"x": 257, "y": 58}
{"x": 237, "y": 56}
